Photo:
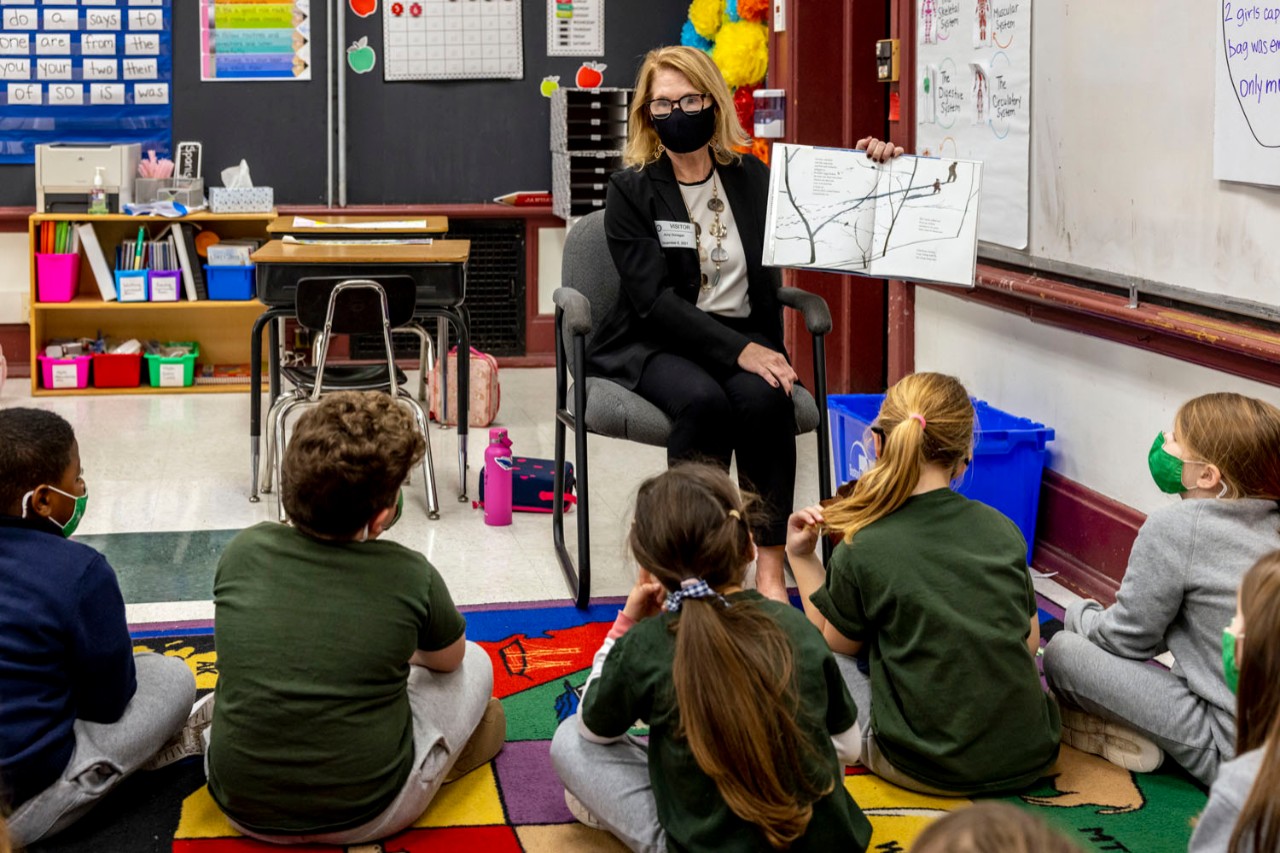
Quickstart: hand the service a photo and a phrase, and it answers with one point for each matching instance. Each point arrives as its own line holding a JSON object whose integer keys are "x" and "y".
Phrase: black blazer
{"x": 657, "y": 310}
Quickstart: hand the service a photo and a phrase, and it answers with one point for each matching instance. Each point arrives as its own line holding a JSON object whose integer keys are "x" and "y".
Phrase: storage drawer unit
{"x": 588, "y": 133}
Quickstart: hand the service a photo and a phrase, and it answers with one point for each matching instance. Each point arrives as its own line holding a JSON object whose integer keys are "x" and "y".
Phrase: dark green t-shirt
{"x": 636, "y": 683}
{"x": 311, "y": 728}
{"x": 940, "y": 593}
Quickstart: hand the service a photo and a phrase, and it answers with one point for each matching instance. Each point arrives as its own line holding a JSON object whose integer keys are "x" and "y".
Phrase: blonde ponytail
{"x": 925, "y": 417}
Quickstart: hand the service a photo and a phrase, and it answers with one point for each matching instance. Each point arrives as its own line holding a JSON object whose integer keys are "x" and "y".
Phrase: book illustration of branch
{"x": 844, "y": 232}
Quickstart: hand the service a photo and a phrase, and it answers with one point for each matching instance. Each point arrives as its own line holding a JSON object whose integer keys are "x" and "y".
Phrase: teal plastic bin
{"x": 1008, "y": 457}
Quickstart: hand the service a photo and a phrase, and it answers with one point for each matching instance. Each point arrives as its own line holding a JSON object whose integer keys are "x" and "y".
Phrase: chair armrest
{"x": 577, "y": 310}
{"x": 817, "y": 317}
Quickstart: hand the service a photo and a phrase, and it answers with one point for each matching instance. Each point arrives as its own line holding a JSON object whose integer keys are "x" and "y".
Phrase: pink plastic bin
{"x": 71, "y": 372}
{"x": 57, "y": 277}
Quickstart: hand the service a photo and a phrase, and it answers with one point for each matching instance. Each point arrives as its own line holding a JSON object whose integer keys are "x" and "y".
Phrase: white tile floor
{"x": 181, "y": 463}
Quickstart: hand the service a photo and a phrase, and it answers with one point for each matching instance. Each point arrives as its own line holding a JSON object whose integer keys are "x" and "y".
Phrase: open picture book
{"x": 912, "y": 218}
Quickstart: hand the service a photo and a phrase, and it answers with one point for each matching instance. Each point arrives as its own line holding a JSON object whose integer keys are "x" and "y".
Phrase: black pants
{"x": 719, "y": 412}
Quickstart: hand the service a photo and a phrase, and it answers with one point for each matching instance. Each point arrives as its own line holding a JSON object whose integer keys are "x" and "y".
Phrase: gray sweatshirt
{"x": 1179, "y": 590}
{"x": 1226, "y": 799}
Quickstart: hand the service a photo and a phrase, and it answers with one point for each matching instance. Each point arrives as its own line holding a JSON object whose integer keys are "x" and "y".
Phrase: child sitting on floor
{"x": 1243, "y": 814}
{"x": 79, "y": 711}
{"x": 750, "y": 725}
{"x": 990, "y": 827}
{"x": 936, "y": 587}
{"x": 347, "y": 693}
{"x": 1178, "y": 591}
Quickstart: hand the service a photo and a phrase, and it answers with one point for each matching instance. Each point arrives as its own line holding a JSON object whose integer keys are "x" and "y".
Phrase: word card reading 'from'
{"x": 98, "y": 44}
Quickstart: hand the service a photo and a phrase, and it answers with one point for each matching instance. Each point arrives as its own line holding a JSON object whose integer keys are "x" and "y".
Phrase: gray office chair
{"x": 591, "y": 404}
{"x": 352, "y": 307}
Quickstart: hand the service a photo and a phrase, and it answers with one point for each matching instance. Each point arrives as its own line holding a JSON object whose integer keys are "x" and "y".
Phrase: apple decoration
{"x": 549, "y": 85}
{"x": 363, "y": 8}
{"x": 361, "y": 57}
{"x": 416, "y": 10}
{"x": 397, "y": 9}
{"x": 591, "y": 75}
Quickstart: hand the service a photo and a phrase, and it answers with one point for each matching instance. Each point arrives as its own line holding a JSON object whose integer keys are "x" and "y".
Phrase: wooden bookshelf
{"x": 220, "y": 327}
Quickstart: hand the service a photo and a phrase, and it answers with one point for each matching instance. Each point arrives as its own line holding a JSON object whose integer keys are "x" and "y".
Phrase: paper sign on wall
{"x": 1246, "y": 130}
{"x": 253, "y": 40}
{"x": 451, "y": 40}
{"x": 575, "y": 27}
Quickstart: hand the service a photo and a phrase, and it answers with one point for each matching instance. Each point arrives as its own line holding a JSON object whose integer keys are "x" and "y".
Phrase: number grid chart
{"x": 453, "y": 40}
{"x": 97, "y": 71}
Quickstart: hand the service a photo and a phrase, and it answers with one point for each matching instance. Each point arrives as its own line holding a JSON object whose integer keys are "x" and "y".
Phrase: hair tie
{"x": 733, "y": 513}
{"x": 919, "y": 418}
{"x": 691, "y": 588}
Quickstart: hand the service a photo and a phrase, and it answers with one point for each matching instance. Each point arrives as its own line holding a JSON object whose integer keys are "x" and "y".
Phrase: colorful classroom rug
{"x": 541, "y": 655}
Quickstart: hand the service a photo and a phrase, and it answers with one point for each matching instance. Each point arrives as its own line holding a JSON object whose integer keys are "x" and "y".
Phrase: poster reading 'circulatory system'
{"x": 94, "y": 71}
{"x": 974, "y": 73}
{"x": 255, "y": 40}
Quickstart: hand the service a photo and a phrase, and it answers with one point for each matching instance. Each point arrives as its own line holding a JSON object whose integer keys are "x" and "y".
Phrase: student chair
{"x": 352, "y": 307}
{"x": 591, "y": 404}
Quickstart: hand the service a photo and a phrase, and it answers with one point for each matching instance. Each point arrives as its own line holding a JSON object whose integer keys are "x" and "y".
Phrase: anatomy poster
{"x": 255, "y": 40}
{"x": 974, "y": 101}
{"x": 1246, "y": 130}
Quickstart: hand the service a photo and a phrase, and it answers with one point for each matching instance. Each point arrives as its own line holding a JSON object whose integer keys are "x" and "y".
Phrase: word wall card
{"x": 452, "y": 40}
{"x": 98, "y": 71}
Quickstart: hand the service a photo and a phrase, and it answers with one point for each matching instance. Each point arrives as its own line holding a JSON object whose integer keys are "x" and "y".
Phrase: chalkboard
{"x": 407, "y": 142}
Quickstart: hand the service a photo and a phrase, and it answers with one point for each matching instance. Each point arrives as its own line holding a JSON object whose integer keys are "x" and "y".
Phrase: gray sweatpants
{"x": 446, "y": 708}
{"x": 1195, "y": 733}
{"x": 106, "y": 753}
{"x": 612, "y": 781}
{"x": 872, "y": 758}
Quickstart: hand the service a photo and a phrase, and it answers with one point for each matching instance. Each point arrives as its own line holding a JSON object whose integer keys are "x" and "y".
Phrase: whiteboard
{"x": 1122, "y": 151}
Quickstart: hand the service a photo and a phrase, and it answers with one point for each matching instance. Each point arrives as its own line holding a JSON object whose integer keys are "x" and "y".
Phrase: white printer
{"x": 64, "y": 175}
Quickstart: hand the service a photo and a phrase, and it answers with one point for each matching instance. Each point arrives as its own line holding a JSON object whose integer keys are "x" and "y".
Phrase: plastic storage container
{"x": 1008, "y": 456}
{"x": 165, "y": 285}
{"x": 64, "y": 372}
{"x": 131, "y": 286}
{"x": 229, "y": 283}
{"x": 173, "y": 371}
{"x": 57, "y": 277}
{"x": 116, "y": 370}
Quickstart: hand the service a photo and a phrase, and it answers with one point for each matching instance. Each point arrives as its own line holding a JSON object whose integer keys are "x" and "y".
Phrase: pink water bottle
{"x": 497, "y": 479}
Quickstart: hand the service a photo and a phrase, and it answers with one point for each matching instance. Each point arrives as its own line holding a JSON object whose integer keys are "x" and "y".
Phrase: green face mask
{"x": 1166, "y": 469}
{"x": 399, "y": 511}
{"x": 69, "y": 527}
{"x": 1229, "y": 666}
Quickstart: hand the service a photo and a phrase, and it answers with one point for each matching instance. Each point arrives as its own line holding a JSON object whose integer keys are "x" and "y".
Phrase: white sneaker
{"x": 1116, "y": 742}
{"x": 189, "y": 741}
{"x": 579, "y": 811}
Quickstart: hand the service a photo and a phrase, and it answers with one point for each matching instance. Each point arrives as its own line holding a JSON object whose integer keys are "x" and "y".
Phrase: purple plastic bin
{"x": 57, "y": 277}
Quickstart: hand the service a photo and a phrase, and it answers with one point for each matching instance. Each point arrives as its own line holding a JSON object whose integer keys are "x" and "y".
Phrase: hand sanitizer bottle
{"x": 98, "y": 195}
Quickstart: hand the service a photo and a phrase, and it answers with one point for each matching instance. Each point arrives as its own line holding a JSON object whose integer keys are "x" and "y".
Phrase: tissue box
{"x": 241, "y": 199}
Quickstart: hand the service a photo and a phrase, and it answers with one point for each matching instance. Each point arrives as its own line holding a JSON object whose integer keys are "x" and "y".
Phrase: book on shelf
{"x": 97, "y": 261}
{"x": 184, "y": 243}
{"x": 911, "y": 218}
{"x": 223, "y": 374}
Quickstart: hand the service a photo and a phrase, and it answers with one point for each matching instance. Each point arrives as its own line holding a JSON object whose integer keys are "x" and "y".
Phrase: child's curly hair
{"x": 347, "y": 459}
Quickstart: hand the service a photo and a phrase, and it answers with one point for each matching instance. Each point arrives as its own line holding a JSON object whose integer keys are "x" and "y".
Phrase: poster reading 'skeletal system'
{"x": 255, "y": 40}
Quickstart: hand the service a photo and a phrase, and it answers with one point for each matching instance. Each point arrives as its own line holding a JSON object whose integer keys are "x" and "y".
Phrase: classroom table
{"x": 359, "y": 227}
{"x": 437, "y": 268}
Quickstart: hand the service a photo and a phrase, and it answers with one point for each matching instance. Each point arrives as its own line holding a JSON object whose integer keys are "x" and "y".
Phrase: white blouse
{"x": 729, "y": 296}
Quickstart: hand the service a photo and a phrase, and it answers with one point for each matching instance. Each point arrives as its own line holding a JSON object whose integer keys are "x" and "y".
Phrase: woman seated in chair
{"x": 698, "y": 332}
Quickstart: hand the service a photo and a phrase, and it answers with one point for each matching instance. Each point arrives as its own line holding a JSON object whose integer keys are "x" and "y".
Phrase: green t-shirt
{"x": 636, "y": 683}
{"x": 940, "y": 593}
{"x": 311, "y": 728}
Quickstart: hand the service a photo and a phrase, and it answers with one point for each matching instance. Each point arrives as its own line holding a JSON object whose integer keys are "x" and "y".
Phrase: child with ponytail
{"x": 1243, "y": 814}
{"x": 1179, "y": 589}
{"x": 936, "y": 587}
{"x": 750, "y": 725}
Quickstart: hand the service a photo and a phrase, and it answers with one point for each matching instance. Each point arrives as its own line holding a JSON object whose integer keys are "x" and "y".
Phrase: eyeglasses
{"x": 690, "y": 105}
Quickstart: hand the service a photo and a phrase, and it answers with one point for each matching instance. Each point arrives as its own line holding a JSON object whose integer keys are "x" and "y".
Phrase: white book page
{"x": 926, "y": 220}
{"x": 821, "y": 209}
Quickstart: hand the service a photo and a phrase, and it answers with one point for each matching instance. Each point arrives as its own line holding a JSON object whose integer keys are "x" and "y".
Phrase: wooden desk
{"x": 438, "y": 270}
{"x": 339, "y": 226}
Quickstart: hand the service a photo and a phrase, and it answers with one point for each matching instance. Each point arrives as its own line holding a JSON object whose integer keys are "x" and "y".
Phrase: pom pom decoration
{"x": 752, "y": 10}
{"x": 705, "y": 15}
{"x": 744, "y": 102}
{"x": 760, "y": 148}
{"x": 742, "y": 52}
{"x": 731, "y": 10}
{"x": 689, "y": 38}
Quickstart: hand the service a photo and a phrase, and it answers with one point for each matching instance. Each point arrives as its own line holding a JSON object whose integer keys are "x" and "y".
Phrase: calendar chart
{"x": 84, "y": 71}
{"x": 452, "y": 40}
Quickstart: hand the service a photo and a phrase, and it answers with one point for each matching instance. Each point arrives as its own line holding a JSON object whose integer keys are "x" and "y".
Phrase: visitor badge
{"x": 676, "y": 235}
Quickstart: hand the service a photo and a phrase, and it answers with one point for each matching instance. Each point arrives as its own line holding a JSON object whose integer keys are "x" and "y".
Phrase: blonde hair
{"x": 643, "y": 145}
{"x": 925, "y": 417}
{"x": 991, "y": 827}
{"x": 1238, "y": 434}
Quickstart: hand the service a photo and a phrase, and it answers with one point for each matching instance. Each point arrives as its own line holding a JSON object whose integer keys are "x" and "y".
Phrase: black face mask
{"x": 684, "y": 133}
